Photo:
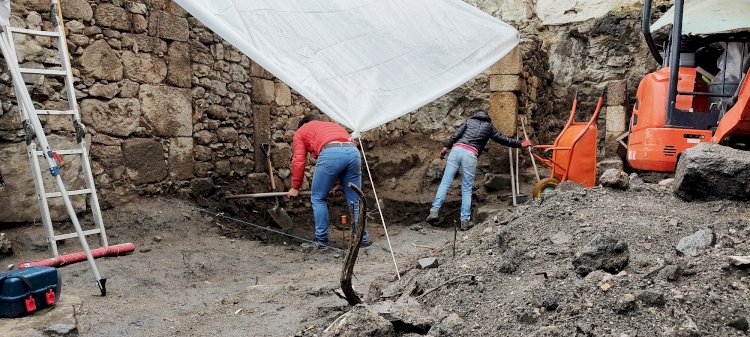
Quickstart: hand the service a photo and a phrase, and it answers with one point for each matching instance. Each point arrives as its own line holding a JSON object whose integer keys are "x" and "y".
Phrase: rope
{"x": 377, "y": 202}
{"x": 261, "y": 227}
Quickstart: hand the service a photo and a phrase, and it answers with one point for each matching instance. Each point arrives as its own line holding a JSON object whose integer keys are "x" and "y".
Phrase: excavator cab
{"x": 701, "y": 92}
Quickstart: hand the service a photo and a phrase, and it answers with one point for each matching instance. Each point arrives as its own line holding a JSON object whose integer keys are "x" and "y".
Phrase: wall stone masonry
{"x": 171, "y": 108}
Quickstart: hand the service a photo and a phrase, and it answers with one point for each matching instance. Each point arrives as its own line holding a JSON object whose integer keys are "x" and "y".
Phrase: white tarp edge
{"x": 362, "y": 62}
{"x": 4, "y": 12}
{"x": 709, "y": 17}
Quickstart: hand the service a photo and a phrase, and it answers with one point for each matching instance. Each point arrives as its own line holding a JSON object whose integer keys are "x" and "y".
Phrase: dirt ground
{"x": 515, "y": 274}
{"x": 195, "y": 274}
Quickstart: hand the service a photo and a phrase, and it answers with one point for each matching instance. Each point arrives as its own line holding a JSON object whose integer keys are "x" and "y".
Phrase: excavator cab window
{"x": 730, "y": 64}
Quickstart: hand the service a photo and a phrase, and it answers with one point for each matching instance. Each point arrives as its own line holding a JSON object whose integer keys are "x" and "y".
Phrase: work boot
{"x": 466, "y": 225}
{"x": 321, "y": 244}
{"x": 433, "y": 217}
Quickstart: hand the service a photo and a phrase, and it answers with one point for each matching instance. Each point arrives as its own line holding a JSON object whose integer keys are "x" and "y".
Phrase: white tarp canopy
{"x": 362, "y": 62}
{"x": 4, "y": 12}
{"x": 709, "y": 17}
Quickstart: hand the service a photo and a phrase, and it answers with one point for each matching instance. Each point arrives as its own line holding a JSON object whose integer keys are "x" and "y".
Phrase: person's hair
{"x": 307, "y": 118}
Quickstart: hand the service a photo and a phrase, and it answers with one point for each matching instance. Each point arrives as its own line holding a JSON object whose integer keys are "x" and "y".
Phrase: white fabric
{"x": 4, "y": 12}
{"x": 362, "y": 62}
{"x": 709, "y": 17}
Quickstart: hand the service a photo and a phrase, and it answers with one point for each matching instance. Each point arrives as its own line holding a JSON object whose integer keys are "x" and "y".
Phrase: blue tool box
{"x": 27, "y": 290}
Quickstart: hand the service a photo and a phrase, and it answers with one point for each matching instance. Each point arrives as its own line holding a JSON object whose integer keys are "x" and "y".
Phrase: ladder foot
{"x": 102, "y": 286}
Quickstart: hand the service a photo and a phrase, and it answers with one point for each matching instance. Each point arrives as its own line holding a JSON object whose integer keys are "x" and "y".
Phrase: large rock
{"x": 179, "y": 65}
{"x": 77, "y": 9}
{"x": 691, "y": 245}
{"x": 111, "y": 16}
{"x": 168, "y": 110}
{"x": 117, "y": 117}
{"x": 18, "y": 197}
{"x": 181, "y": 158}
{"x": 606, "y": 252}
{"x": 710, "y": 171}
{"x": 496, "y": 182}
{"x": 556, "y": 12}
{"x": 100, "y": 61}
{"x": 360, "y": 321}
{"x": 167, "y": 26}
{"x": 6, "y": 248}
{"x": 144, "y": 67}
{"x": 144, "y": 159}
{"x": 615, "y": 178}
{"x": 405, "y": 315}
{"x": 143, "y": 43}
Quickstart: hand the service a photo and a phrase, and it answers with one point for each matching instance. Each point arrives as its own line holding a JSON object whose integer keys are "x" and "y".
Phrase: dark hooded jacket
{"x": 477, "y": 131}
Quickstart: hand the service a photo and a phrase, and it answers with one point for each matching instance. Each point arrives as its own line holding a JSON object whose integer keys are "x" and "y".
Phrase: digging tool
{"x": 263, "y": 195}
{"x": 277, "y": 213}
{"x": 533, "y": 160}
{"x": 354, "y": 244}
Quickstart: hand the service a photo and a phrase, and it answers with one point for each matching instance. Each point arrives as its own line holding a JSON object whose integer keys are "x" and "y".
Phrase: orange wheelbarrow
{"x": 573, "y": 153}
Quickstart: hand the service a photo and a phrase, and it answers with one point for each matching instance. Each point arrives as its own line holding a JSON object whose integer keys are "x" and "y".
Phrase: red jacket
{"x": 310, "y": 138}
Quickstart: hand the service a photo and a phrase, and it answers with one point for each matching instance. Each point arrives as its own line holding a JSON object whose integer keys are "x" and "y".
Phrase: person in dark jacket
{"x": 465, "y": 146}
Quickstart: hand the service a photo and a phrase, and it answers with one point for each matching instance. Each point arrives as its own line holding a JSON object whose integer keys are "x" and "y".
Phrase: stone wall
{"x": 169, "y": 106}
{"x": 173, "y": 109}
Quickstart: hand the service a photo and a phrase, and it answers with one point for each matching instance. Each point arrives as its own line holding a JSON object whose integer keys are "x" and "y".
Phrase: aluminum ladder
{"x": 38, "y": 146}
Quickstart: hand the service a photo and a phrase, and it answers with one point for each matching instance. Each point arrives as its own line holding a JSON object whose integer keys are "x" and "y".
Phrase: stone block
{"x": 227, "y": 134}
{"x": 111, "y": 16}
{"x": 144, "y": 160}
{"x": 168, "y": 26}
{"x": 504, "y": 112}
{"x": 261, "y": 134}
{"x": 144, "y": 67}
{"x": 263, "y": 91}
{"x": 77, "y": 9}
{"x": 510, "y": 64}
{"x": 101, "y": 62}
{"x": 281, "y": 155}
{"x": 617, "y": 93}
{"x": 19, "y": 196}
{"x": 283, "y": 94}
{"x": 168, "y": 110}
{"x": 104, "y": 90}
{"x": 609, "y": 163}
{"x": 143, "y": 43}
{"x": 179, "y": 65}
{"x": 506, "y": 83}
{"x": 616, "y": 119}
{"x": 117, "y": 117}
{"x": 181, "y": 158}
{"x": 257, "y": 71}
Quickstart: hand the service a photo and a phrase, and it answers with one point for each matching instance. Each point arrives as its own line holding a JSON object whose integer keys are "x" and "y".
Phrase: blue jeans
{"x": 459, "y": 158}
{"x": 335, "y": 163}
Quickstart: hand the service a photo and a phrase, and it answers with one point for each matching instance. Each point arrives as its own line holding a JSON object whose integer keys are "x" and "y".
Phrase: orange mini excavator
{"x": 701, "y": 93}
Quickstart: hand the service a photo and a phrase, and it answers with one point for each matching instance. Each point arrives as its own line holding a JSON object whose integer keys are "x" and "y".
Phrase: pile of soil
{"x": 538, "y": 270}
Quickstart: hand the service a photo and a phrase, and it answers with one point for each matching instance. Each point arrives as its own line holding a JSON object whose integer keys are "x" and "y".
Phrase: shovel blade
{"x": 281, "y": 218}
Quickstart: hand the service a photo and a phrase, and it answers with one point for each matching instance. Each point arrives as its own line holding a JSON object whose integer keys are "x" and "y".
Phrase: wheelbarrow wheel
{"x": 546, "y": 184}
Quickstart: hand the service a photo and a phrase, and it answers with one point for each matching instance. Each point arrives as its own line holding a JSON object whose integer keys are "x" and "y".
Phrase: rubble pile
{"x": 587, "y": 262}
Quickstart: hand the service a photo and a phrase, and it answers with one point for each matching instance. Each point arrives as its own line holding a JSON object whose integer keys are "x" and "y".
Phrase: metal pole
{"x": 674, "y": 59}
{"x": 512, "y": 176}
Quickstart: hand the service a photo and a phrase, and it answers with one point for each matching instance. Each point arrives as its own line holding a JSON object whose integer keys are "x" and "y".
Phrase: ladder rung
{"x": 70, "y": 193}
{"x": 58, "y": 72}
{"x": 55, "y": 112}
{"x": 61, "y": 152}
{"x": 75, "y": 235}
{"x": 33, "y": 32}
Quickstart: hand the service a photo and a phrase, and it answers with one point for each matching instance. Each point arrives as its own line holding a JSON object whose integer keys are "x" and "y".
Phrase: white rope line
{"x": 377, "y": 202}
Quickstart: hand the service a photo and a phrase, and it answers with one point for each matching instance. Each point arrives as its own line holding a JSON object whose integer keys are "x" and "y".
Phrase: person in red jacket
{"x": 338, "y": 160}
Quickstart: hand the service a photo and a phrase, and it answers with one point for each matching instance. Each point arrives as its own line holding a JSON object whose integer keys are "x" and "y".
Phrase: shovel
{"x": 277, "y": 213}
